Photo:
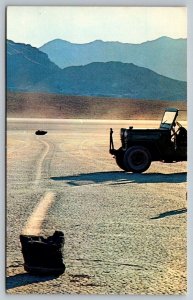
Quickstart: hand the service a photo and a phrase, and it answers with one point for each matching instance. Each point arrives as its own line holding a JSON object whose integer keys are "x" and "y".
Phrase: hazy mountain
{"x": 166, "y": 56}
{"x": 26, "y": 65}
{"x": 30, "y": 70}
{"x": 113, "y": 79}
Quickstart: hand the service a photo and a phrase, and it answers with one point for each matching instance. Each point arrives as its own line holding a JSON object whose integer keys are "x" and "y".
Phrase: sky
{"x": 36, "y": 25}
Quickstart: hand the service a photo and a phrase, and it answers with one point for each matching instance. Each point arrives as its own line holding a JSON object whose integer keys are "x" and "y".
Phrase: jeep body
{"x": 139, "y": 147}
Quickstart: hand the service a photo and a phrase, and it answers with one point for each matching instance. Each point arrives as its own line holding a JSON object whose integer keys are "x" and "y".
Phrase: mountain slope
{"x": 165, "y": 56}
{"x": 26, "y": 65}
{"x": 113, "y": 79}
{"x": 39, "y": 105}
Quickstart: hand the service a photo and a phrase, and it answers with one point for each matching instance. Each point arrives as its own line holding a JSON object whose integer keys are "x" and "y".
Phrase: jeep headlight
{"x": 125, "y": 133}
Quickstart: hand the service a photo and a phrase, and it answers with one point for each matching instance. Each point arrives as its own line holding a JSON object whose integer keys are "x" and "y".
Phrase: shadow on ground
{"x": 116, "y": 178}
{"x": 170, "y": 213}
{"x": 25, "y": 279}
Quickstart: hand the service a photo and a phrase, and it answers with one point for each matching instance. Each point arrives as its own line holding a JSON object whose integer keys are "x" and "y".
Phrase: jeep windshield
{"x": 169, "y": 118}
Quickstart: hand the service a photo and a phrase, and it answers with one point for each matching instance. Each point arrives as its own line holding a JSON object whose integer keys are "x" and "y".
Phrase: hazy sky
{"x": 37, "y": 25}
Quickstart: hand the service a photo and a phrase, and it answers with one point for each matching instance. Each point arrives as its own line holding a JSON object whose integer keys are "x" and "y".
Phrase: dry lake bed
{"x": 124, "y": 233}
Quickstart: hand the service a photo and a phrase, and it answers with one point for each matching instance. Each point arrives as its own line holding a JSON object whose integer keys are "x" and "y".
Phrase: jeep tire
{"x": 119, "y": 157}
{"x": 137, "y": 159}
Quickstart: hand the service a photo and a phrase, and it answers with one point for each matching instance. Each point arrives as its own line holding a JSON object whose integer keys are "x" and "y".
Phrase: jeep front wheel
{"x": 137, "y": 159}
{"x": 119, "y": 157}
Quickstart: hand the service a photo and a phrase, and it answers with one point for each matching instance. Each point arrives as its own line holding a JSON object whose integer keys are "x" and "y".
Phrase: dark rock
{"x": 40, "y": 132}
{"x": 43, "y": 255}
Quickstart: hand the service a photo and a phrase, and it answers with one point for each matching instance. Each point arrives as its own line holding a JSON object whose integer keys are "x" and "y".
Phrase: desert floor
{"x": 124, "y": 233}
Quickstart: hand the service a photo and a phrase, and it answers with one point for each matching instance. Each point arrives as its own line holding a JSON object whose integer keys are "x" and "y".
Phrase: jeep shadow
{"x": 116, "y": 177}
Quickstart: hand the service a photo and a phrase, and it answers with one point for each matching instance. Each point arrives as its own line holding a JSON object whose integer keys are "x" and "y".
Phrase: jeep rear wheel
{"x": 119, "y": 157}
{"x": 137, "y": 159}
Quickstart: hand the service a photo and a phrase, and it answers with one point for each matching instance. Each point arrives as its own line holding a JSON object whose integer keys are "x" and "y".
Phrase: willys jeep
{"x": 139, "y": 147}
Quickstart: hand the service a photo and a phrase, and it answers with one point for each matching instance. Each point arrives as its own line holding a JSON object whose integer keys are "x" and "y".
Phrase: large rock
{"x": 43, "y": 255}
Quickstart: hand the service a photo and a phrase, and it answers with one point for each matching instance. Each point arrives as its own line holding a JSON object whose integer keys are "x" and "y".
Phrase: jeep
{"x": 139, "y": 147}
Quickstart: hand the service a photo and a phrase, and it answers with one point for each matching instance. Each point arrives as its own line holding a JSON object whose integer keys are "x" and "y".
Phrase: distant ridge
{"x": 165, "y": 56}
{"x": 30, "y": 70}
{"x": 113, "y": 79}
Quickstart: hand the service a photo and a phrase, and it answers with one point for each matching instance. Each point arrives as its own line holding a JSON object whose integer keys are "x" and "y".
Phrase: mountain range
{"x": 113, "y": 79}
{"x": 165, "y": 56}
{"x": 31, "y": 70}
{"x": 26, "y": 66}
